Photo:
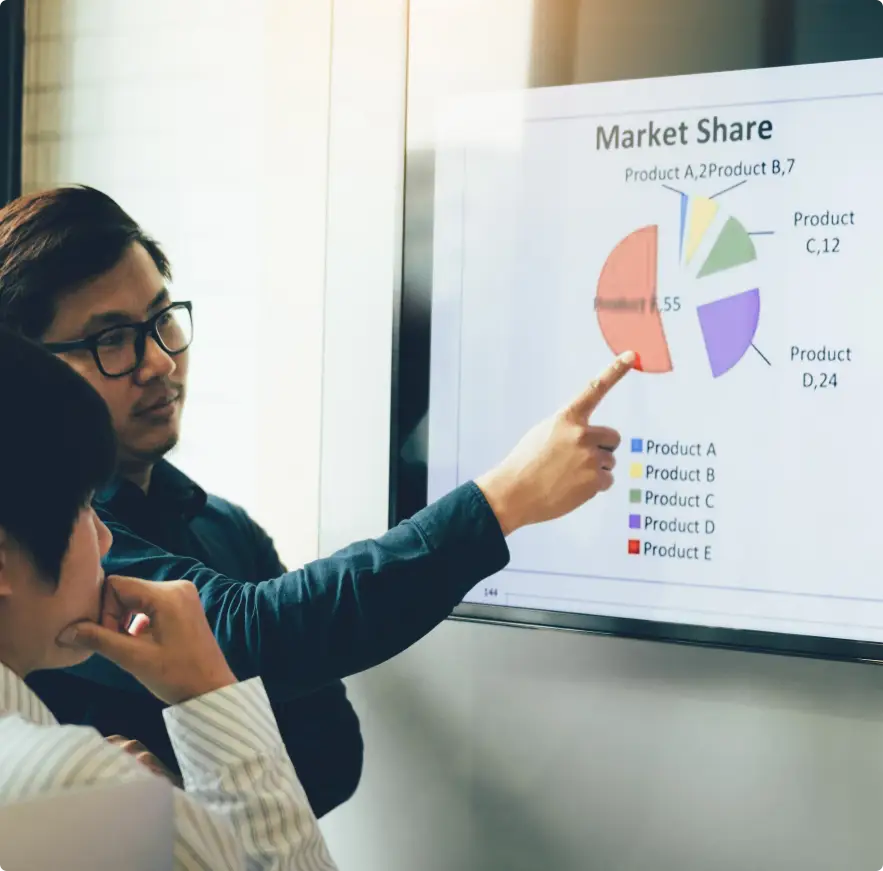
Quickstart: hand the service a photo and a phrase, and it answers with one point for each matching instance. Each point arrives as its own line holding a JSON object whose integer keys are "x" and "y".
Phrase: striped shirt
{"x": 242, "y": 806}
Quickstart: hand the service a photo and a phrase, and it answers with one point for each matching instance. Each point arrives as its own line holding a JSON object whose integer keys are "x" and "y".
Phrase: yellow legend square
{"x": 636, "y": 471}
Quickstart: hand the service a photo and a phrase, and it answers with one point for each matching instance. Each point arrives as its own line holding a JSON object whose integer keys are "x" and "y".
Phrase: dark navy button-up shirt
{"x": 300, "y": 630}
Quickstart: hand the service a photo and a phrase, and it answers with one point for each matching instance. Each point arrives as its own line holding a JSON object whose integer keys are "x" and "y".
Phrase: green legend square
{"x": 634, "y": 495}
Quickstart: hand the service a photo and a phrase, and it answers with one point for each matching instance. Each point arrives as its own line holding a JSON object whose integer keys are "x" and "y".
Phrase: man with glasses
{"x": 148, "y": 425}
{"x": 79, "y": 275}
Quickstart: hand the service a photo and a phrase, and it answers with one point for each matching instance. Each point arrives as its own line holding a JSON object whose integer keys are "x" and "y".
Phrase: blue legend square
{"x": 637, "y": 446}
{"x": 634, "y": 521}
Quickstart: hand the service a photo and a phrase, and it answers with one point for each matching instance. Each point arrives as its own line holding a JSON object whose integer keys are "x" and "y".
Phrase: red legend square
{"x": 634, "y": 545}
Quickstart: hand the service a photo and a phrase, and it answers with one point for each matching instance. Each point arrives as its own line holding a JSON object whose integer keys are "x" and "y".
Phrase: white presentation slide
{"x": 729, "y": 228}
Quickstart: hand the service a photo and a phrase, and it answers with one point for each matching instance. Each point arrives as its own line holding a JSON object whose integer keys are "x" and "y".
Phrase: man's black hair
{"x": 53, "y": 242}
{"x": 57, "y": 446}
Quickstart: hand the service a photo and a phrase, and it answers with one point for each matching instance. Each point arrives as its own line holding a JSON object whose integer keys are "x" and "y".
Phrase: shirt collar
{"x": 16, "y": 697}
{"x": 168, "y": 486}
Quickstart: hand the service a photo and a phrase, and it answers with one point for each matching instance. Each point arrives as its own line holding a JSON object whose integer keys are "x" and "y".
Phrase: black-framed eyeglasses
{"x": 119, "y": 350}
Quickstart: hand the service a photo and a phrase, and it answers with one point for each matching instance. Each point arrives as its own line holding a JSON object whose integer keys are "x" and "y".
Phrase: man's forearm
{"x": 336, "y": 616}
{"x": 364, "y": 604}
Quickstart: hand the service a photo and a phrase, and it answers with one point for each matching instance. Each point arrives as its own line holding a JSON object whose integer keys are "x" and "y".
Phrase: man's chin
{"x": 83, "y": 656}
{"x": 68, "y": 657}
{"x": 149, "y": 451}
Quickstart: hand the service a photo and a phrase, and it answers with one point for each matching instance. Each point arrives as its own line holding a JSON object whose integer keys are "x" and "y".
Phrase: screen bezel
{"x": 676, "y": 633}
{"x": 410, "y": 403}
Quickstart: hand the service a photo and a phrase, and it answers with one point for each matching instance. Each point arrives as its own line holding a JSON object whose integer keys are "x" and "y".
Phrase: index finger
{"x": 133, "y": 593}
{"x": 588, "y": 400}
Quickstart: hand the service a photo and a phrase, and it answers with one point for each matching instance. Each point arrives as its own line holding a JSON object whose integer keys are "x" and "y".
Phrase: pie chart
{"x": 627, "y": 297}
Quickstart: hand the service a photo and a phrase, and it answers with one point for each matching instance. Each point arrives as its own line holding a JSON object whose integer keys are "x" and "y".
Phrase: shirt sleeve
{"x": 235, "y": 765}
{"x": 243, "y": 808}
{"x": 336, "y": 616}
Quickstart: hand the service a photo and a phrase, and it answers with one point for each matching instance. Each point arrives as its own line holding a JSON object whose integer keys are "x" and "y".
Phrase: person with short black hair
{"x": 57, "y": 447}
{"x": 244, "y": 806}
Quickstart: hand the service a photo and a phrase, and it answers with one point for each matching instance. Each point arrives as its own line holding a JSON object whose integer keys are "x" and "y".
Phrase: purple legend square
{"x": 634, "y": 521}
